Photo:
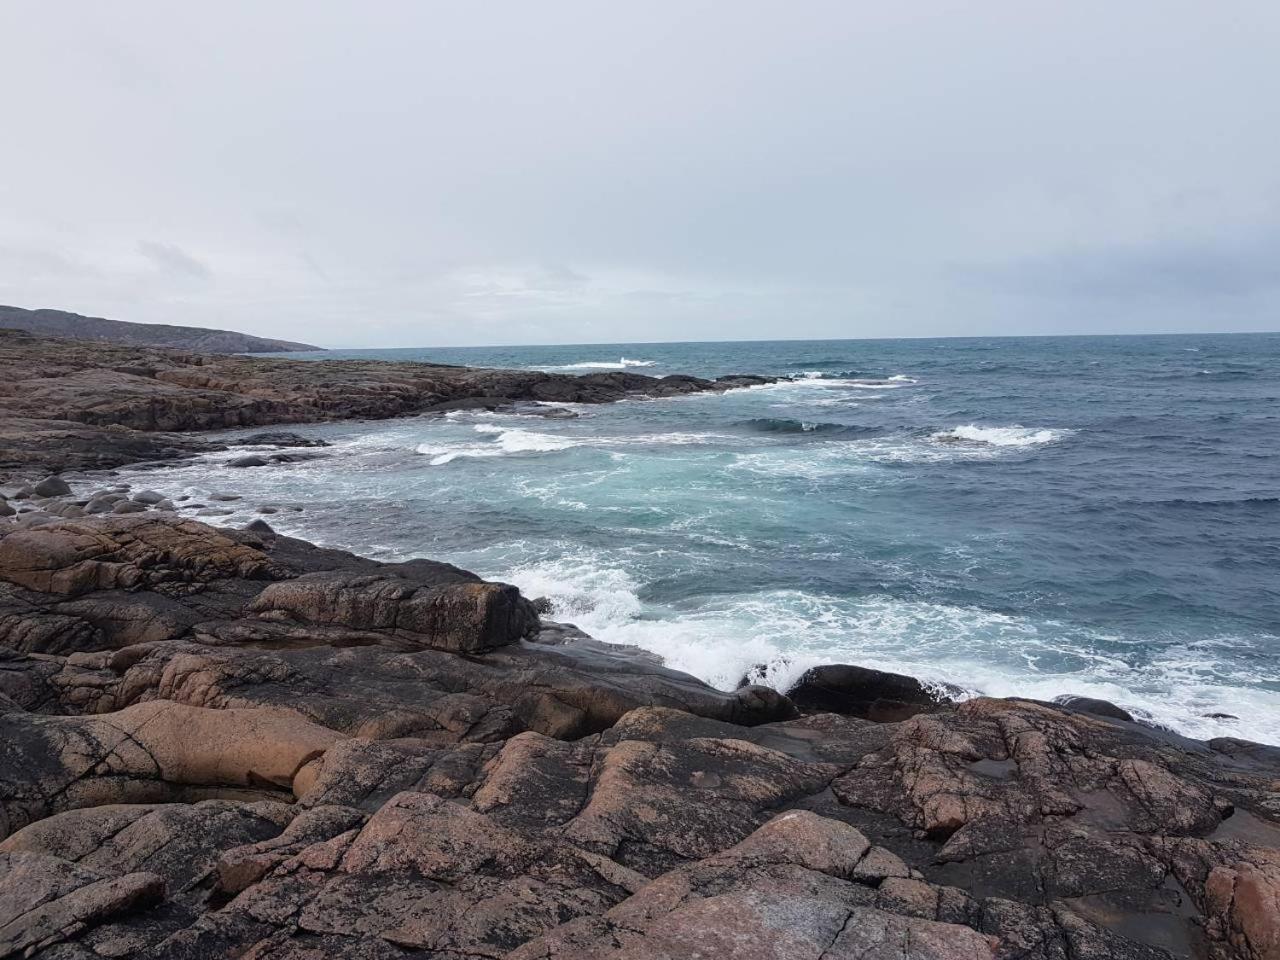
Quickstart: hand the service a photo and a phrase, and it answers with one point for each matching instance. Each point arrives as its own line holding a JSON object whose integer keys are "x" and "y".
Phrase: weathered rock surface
{"x": 74, "y": 404}
{"x": 220, "y": 744}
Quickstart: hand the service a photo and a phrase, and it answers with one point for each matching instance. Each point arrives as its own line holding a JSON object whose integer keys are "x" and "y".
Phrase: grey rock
{"x": 52, "y": 486}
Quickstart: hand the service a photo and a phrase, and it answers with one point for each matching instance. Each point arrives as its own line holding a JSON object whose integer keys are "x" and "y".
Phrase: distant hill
{"x": 60, "y": 323}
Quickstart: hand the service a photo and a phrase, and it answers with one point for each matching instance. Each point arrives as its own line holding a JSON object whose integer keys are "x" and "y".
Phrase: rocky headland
{"x": 76, "y": 405}
{"x": 230, "y": 743}
{"x": 63, "y": 323}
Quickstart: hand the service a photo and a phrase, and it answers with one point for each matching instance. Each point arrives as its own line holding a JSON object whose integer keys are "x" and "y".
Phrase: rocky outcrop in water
{"x": 68, "y": 404}
{"x": 218, "y": 743}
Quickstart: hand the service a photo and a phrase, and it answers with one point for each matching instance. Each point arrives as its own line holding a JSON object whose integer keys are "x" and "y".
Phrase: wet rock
{"x": 862, "y": 692}
{"x": 6, "y": 510}
{"x": 224, "y": 497}
{"x": 128, "y": 506}
{"x": 260, "y": 526}
{"x": 53, "y": 486}
{"x": 149, "y": 497}
{"x": 250, "y": 460}
{"x": 281, "y": 438}
{"x": 1099, "y": 708}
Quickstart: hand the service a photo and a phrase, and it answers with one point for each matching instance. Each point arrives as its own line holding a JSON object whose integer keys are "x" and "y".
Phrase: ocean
{"x": 1025, "y": 516}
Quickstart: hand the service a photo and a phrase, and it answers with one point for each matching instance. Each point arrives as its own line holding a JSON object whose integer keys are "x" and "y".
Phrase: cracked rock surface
{"x": 216, "y": 744}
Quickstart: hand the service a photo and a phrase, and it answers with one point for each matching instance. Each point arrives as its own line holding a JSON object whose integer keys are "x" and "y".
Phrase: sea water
{"x": 1028, "y": 516}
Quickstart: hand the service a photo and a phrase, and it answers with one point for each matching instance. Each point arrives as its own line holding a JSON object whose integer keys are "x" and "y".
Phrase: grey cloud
{"x": 173, "y": 260}
{"x": 454, "y": 173}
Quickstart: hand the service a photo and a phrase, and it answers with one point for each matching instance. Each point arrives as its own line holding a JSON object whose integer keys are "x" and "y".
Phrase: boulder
{"x": 53, "y": 486}
{"x": 249, "y": 460}
{"x": 462, "y": 617}
{"x": 1094, "y": 706}
{"x": 863, "y": 692}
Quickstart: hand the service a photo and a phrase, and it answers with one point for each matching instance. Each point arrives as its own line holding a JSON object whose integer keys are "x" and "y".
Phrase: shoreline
{"x": 79, "y": 405}
{"x": 317, "y": 723}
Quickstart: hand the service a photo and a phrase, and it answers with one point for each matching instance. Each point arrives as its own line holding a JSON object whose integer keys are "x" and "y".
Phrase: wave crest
{"x": 1014, "y": 436}
{"x": 622, "y": 363}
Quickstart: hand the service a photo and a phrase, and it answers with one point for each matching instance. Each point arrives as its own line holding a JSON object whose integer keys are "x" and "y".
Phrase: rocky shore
{"x": 230, "y": 743}
{"x": 78, "y": 405}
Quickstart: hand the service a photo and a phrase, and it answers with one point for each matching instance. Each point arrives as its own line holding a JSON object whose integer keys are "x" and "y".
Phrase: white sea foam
{"x": 1015, "y": 436}
{"x": 774, "y": 636}
{"x": 508, "y": 439}
{"x": 622, "y": 363}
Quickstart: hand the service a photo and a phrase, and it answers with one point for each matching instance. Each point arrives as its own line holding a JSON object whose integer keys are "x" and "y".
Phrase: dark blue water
{"x": 1037, "y": 516}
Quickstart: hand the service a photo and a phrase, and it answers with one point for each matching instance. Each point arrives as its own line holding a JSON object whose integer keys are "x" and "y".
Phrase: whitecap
{"x": 622, "y": 363}
{"x": 1014, "y": 436}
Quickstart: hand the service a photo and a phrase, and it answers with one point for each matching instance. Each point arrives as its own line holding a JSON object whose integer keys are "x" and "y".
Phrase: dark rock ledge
{"x": 226, "y": 744}
{"x": 78, "y": 405}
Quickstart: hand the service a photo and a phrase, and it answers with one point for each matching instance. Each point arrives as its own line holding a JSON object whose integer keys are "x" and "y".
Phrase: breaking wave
{"x": 1014, "y": 436}
{"x": 622, "y": 363}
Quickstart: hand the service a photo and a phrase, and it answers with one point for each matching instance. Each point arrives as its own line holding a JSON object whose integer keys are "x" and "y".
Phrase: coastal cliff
{"x": 230, "y": 743}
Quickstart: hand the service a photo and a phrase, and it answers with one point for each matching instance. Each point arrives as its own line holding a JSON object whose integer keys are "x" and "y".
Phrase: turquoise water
{"x": 1033, "y": 516}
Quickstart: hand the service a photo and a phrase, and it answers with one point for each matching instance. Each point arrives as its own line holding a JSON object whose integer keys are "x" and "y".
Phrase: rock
{"x": 542, "y": 606}
{"x": 260, "y": 526}
{"x": 464, "y": 617}
{"x": 167, "y": 505}
{"x": 149, "y": 497}
{"x": 1099, "y": 708}
{"x": 224, "y": 497}
{"x": 117, "y": 404}
{"x": 216, "y": 744}
{"x": 862, "y": 692}
{"x": 25, "y": 492}
{"x": 250, "y": 460}
{"x": 53, "y": 486}
{"x": 128, "y": 506}
{"x": 264, "y": 509}
{"x": 281, "y": 438}
{"x": 152, "y": 752}
{"x": 6, "y": 510}
{"x": 45, "y": 901}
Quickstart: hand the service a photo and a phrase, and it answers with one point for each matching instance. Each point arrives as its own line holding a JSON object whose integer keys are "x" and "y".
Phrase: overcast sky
{"x": 420, "y": 173}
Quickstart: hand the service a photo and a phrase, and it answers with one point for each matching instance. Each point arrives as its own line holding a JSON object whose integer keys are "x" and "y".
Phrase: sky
{"x": 418, "y": 173}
